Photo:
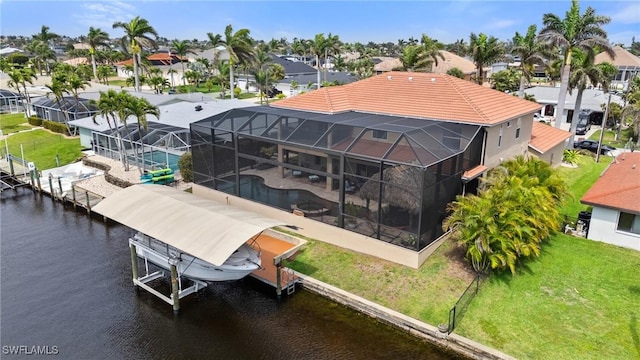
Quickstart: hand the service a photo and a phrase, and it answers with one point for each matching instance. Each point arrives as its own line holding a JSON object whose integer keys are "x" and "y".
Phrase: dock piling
{"x": 175, "y": 288}
{"x": 134, "y": 263}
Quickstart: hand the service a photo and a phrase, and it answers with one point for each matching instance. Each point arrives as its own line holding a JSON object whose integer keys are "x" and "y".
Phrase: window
{"x": 629, "y": 223}
{"x": 500, "y": 137}
{"x": 518, "y": 124}
{"x": 508, "y": 124}
{"x": 379, "y": 134}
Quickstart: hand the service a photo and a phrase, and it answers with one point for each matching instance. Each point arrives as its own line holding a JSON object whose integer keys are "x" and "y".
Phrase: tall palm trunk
{"x": 564, "y": 85}
{"x": 231, "y": 85}
{"x": 184, "y": 80}
{"x": 95, "y": 69}
{"x": 574, "y": 118}
{"x": 135, "y": 74}
{"x": 318, "y": 67}
{"x": 521, "y": 91}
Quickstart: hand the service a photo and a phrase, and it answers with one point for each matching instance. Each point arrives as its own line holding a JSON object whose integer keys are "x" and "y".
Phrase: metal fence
{"x": 460, "y": 308}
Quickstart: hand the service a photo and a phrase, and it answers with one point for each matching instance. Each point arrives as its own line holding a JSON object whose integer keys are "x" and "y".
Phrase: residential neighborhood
{"x": 464, "y": 192}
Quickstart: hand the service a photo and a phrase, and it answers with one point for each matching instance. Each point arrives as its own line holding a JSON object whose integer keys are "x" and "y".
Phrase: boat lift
{"x": 177, "y": 292}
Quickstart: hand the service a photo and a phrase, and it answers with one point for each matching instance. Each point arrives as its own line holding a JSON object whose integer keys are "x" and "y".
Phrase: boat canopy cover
{"x": 200, "y": 227}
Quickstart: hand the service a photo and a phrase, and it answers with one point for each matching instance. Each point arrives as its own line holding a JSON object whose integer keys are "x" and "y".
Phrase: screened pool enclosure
{"x": 10, "y": 102}
{"x": 385, "y": 177}
{"x": 157, "y": 146}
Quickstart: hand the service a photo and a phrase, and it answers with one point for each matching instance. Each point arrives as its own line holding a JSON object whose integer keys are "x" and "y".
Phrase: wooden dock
{"x": 274, "y": 248}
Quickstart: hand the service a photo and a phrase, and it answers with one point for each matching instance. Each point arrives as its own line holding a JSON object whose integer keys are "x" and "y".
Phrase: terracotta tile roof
{"x": 623, "y": 58}
{"x": 619, "y": 186}
{"x": 545, "y": 137}
{"x": 474, "y": 173}
{"x": 163, "y": 57}
{"x": 421, "y": 95}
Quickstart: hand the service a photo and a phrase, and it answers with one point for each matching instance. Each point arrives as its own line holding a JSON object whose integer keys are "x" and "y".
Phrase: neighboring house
{"x": 161, "y": 60}
{"x": 68, "y": 108}
{"x": 592, "y": 99}
{"x": 77, "y": 61}
{"x": 306, "y": 77}
{"x": 628, "y": 66}
{"x": 10, "y": 50}
{"x": 375, "y": 162}
{"x": 548, "y": 143}
{"x": 615, "y": 198}
{"x": 165, "y": 138}
{"x": 10, "y": 102}
{"x": 450, "y": 61}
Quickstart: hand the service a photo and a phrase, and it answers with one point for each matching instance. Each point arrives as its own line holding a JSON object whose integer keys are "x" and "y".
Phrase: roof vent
{"x": 389, "y": 77}
{"x": 410, "y": 78}
{"x": 198, "y": 107}
{"x": 433, "y": 79}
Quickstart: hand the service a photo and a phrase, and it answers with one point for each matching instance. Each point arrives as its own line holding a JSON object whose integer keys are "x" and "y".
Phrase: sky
{"x": 362, "y": 21}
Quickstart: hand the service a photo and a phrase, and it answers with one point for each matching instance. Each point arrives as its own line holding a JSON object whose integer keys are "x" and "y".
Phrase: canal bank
{"x": 409, "y": 325}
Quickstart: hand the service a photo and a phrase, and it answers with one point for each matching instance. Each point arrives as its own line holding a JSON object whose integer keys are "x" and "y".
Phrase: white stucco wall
{"x": 603, "y": 228}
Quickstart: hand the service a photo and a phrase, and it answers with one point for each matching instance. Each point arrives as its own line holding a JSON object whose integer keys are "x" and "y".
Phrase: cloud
{"x": 630, "y": 14}
{"x": 623, "y": 37}
{"x": 500, "y": 24}
{"x": 103, "y": 14}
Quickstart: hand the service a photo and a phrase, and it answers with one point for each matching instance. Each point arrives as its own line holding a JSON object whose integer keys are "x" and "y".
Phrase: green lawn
{"x": 580, "y": 179}
{"x": 610, "y": 135}
{"x": 41, "y": 147}
{"x": 580, "y": 300}
{"x": 426, "y": 294}
{"x": 11, "y": 123}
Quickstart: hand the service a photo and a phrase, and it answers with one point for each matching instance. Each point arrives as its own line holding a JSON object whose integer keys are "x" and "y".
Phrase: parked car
{"x": 592, "y": 146}
{"x": 583, "y": 126}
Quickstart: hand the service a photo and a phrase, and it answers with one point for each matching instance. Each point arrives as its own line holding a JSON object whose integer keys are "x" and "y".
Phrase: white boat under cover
{"x": 240, "y": 264}
{"x": 203, "y": 228}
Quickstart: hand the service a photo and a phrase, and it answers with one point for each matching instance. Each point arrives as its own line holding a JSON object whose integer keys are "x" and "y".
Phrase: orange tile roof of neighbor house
{"x": 421, "y": 95}
{"x": 545, "y": 137}
{"x": 619, "y": 185}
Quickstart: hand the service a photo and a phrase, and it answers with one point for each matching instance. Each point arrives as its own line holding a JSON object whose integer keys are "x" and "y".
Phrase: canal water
{"x": 66, "y": 287}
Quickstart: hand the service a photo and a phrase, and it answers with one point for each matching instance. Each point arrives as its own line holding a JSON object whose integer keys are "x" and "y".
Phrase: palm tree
{"x": 514, "y": 212}
{"x": 484, "y": 50}
{"x": 58, "y": 88}
{"x": 44, "y": 35}
{"x": 431, "y": 51}
{"x": 239, "y": 46}
{"x": 412, "y": 58}
{"x": 532, "y": 51}
{"x": 18, "y": 79}
{"x": 170, "y": 72}
{"x": 137, "y": 34}
{"x": 96, "y": 38}
{"x": 222, "y": 78}
{"x": 108, "y": 106}
{"x": 584, "y": 73}
{"x": 575, "y": 31}
{"x": 104, "y": 72}
{"x": 317, "y": 47}
{"x": 139, "y": 108}
{"x": 181, "y": 48}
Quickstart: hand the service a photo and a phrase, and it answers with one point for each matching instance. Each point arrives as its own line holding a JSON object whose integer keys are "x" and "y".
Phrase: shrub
{"x": 237, "y": 91}
{"x": 34, "y": 120}
{"x": 186, "y": 168}
{"x": 570, "y": 156}
{"x": 55, "y": 127}
{"x": 281, "y": 96}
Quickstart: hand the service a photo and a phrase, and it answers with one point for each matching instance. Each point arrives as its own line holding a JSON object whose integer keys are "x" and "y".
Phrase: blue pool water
{"x": 253, "y": 187}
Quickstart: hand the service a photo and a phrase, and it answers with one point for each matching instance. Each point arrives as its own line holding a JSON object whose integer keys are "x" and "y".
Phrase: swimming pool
{"x": 253, "y": 187}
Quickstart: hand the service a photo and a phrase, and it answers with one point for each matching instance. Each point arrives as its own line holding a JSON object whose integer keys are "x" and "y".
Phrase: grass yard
{"x": 580, "y": 300}
{"x": 426, "y": 294}
{"x": 11, "y": 123}
{"x": 610, "y": 137}
{"x": 42, "y": 146}
{"x": 580, "y": 179}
